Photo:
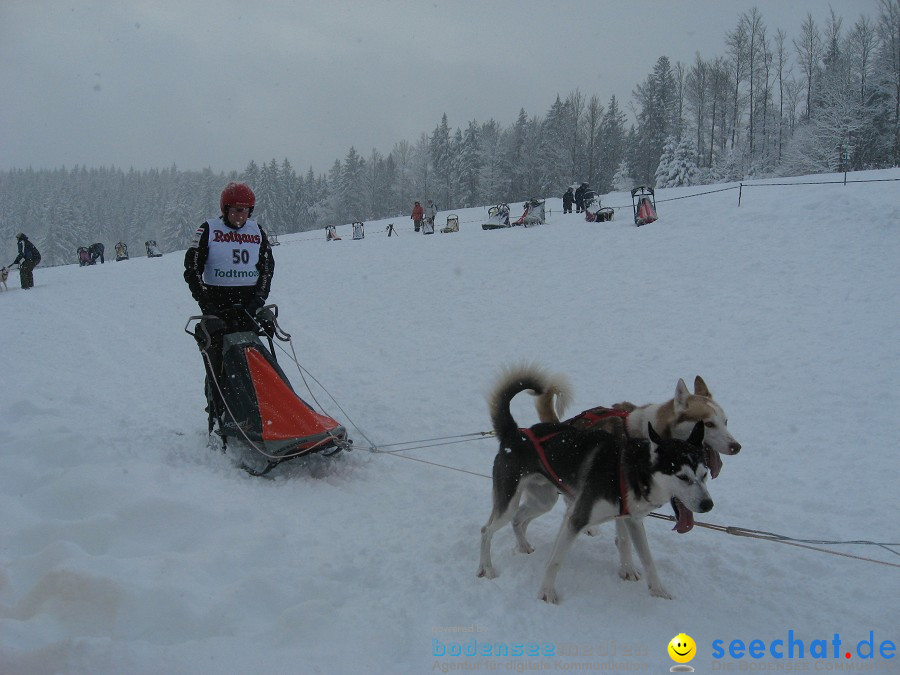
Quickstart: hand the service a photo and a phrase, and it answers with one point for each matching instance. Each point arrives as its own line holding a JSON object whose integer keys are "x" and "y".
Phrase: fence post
{"x": 740, "y": 192}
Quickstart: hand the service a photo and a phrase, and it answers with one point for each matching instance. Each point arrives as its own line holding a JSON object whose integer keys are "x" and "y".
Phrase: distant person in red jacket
{"x": 417, "y": 214}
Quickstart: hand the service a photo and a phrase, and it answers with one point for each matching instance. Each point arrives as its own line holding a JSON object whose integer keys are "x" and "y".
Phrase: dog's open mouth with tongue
{"x": 684, "y": 517}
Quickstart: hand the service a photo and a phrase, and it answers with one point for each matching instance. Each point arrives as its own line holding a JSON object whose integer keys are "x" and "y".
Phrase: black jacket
{"x": 579, "y": 195}
{"x": 27, "y": 252}
{"x": 214, "y": 299}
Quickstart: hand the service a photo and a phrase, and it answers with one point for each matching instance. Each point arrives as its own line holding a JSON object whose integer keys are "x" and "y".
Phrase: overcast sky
{"x": 203, "y": 83}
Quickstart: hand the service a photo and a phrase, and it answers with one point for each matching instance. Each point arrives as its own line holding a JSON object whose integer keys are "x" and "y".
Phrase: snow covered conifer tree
{"x": 677, "y": 167}
{"x": 663, "y": 170}
{"x": 622, "y": 180}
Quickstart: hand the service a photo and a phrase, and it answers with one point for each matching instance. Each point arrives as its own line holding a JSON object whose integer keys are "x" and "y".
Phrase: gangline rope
{"x": 725, "y": 529}
{"x": 465, "y": 438}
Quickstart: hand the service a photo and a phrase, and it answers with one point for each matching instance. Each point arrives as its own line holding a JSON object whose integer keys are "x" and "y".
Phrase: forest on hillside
{"x": 825, "y": 100}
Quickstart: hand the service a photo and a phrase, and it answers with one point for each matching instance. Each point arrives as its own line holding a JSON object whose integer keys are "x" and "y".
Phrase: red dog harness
{"x": 586, "y": 420}
{"x": 539, "y": 448}
{"x": 591, "y": 418}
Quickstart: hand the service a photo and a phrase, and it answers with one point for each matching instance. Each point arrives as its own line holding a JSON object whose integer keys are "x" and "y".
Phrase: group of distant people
{"x": 575, "y": 196}
{"x": 88, "y": 255}
{"x": 29, "y": 257}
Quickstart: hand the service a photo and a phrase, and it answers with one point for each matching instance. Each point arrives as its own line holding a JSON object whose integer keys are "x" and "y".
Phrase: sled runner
{"x": 359, "y": 230}
{"x": 251, "y": 400}
{"x": 498, "y": 217}
{"x": 452, "y": 224}
{"x": 152, "y": 249}
{"x": 644, "y": 201}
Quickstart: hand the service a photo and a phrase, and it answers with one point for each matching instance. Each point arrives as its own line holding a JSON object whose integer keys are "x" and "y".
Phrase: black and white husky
{"x": 602, "y": 475}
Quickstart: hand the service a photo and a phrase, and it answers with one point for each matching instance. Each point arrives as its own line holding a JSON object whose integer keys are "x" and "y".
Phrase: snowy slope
{"x": 128, "y": 546}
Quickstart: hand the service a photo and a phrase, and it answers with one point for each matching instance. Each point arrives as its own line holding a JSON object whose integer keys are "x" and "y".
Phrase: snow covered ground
{"x": 128, "y": 546}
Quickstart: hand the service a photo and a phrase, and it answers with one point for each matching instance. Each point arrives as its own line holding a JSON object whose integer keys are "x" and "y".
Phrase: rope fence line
{"x": 827, "y": 182}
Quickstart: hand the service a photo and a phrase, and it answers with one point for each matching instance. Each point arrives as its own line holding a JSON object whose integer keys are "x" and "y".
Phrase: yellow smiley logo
{"x": 682, "y": 648}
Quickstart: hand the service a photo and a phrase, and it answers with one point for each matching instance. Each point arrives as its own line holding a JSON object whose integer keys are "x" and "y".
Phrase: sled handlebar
{"x": 201, "y": 320}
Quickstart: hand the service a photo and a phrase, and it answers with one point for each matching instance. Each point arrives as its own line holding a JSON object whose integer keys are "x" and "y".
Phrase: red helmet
{"x": 237, "y": 194}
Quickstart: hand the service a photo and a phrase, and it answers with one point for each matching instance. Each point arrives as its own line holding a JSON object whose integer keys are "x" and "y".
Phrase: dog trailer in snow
{"x": 498, "y": 217}
{"x": 644, "y": 201}
{"x": 593, "y": 211}
{"x": 452, "y": 224}
{"x": 152, "y": 249}
{"x": 533, "y": 214}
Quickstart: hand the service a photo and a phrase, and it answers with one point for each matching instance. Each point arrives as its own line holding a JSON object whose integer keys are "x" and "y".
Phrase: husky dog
{"x": 603, "y": 476}
{"x": 673, "y": 419}
{"x": 4, "y": 275}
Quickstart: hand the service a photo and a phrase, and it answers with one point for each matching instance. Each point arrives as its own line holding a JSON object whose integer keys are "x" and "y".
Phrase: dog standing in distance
{"x": 4, "y": 275}
{"x": 602, "y": 477}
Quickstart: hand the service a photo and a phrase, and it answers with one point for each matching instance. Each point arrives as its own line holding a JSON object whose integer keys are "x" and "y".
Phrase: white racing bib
{"x": 233, "y": 254}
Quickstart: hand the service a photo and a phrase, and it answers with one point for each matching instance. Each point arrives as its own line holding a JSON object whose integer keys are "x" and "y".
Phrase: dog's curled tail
{"x": 526, "y": 377}
{"x": 551, "y": 405}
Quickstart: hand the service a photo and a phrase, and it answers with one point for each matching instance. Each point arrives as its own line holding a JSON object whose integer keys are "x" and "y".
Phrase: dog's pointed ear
{"x": 652, "y": 435}
{"x": 681, "y": 394}
{"x": 696, "y": 437}
{"x": 700, "y": 388}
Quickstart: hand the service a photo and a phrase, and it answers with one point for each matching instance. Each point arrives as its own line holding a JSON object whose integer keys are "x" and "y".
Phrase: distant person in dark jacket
{"x": 579, "y": 197}
{"x": 27, "y": 260}
{"x": 568, "y": 200}
{"x": 96, "y": 251}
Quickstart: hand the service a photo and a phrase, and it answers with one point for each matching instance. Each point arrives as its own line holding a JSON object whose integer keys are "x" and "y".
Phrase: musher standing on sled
{"x": 229, "y": 268}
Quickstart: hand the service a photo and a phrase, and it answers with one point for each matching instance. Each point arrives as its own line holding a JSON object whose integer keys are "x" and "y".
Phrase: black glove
{"x": 209, "y": 332}
{"x": 266, "y": 320}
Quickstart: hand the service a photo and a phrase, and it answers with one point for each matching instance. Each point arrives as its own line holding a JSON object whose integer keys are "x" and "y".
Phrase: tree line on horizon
{"x": 826, "y": 100}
